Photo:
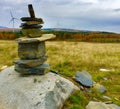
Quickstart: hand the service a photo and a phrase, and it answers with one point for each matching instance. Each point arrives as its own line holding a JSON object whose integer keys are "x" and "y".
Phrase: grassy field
{"x": 69, "y": 57}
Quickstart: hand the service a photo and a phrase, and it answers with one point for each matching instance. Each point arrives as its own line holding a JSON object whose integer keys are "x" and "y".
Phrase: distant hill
{"x": 72, "y": 30}
{"x": 3, "y": 27}
{"x": 64, "y": 29}
{"x": 9, "y": 29}
{"x": 63, "y": 34}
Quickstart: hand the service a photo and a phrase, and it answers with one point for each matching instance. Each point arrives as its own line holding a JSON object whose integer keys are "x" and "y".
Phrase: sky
{"x": 94, "y": 15}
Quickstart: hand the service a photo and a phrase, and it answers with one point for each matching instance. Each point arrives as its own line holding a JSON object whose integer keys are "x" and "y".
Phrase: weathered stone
{"x": 34, "y": 32}
{"x": 32, "y": 19}
{"x": 100, "y": 88}
{"x": 3, "y": 67}
{"x": 113, "y": 106}
{"x": 96, "y": 105}
{"x": 25, "y": 26}
{"x": 105, "y": 78}
{"x": 106, "y": 98}
{"x": 101, "y": 105}
{"x": 32, "y": 22}
{"x": 31, "y": 11}
{"x": 84, "y": 78}
{"x": 47, "y": 91}
{"x": 32, "y": 62}
{"x": 38, "y": 70}
{"x": 44, "y": 37}
{"x": 32, "y": 50}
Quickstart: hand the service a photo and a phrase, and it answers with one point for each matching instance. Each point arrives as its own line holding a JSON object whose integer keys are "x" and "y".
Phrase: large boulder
{"x": 48, "y": 91}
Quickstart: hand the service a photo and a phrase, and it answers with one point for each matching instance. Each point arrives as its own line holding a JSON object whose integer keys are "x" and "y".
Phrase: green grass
{"x": 69, "y": 57}
{"x": 8, "y": 52}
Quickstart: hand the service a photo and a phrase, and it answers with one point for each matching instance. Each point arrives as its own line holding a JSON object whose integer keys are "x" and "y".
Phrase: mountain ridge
{"x": 2, "y": 28}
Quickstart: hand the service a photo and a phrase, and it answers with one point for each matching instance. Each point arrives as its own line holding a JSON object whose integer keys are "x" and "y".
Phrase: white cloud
{"x": 87, "y": 1}
{"x": 6, "y": 8}
{"x": 18, "y": 1}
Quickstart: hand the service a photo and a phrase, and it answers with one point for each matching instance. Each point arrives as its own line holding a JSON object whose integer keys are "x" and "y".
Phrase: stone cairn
{"x": 31, "y": 47}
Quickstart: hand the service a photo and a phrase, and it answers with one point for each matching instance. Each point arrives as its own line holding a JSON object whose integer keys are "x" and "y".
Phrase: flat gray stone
{"x": 101, "y": 105}
{"x": 38, "y": 70}
{"x": 31, "y": 63}
{"x": 44, "y": 37}
{"x": 32, "y": 50}
{"x": 96, "y": 105}
{"x": 106, "y": 98}
{"x": 25, "y": 26}
{"x": 32, "y": 32}
{"x": 84, "y": 78}
{"x": 47, "y": 91}
{"x": 32, "y": 19}
{"x": 100, "y": 88}
{"x": 113, "y": 106}
{"x": 32, "y": 22}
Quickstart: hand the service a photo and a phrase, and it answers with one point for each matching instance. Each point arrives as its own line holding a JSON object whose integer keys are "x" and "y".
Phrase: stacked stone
{"x": 31, "y": 26}
{"x": 31, "y": 48}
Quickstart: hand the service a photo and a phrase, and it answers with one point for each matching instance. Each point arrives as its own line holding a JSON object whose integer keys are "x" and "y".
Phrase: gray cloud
{"x": 79, "y": 14}
{"x": 116, "y": 10}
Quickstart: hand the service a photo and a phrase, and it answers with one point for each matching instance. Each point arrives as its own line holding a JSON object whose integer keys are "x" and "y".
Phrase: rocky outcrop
{"x": 47, "y": 91}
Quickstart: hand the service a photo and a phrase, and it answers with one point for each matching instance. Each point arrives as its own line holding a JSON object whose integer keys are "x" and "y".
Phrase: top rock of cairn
{"x": 32, "y": 25}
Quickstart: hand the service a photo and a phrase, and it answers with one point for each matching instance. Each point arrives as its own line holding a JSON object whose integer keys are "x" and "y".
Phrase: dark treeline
{"x": 86, "y": 36}
{"x": 70, "y": 36}
{"x": 10, "y": 35}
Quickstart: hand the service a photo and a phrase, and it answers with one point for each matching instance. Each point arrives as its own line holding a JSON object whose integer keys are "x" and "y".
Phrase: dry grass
{"x": 84, "y": 56}
{"x": 69, "y": 57}
{"x": 8, "y": 52}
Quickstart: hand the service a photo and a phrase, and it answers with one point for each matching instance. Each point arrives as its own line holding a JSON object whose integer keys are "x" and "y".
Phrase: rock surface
{"x": 114, "y": 106}
{"x": 100, "y": 88}
{"x": 106, "y": 98}
{"x": 48, "y": 91}
{"x": 84, "y": 78}
{"x": 101, "y": 105}
{"x": 38, "y": 70}
{"x": 31, "y": 32}
{"x": 32, "y": 19}
{"x": 32, "y": 54}
{"x": 44, "y": 37}
{"x": 3, "y": 67}
{"x": 31, "y": 63}
{"x": 31, "y": 50}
